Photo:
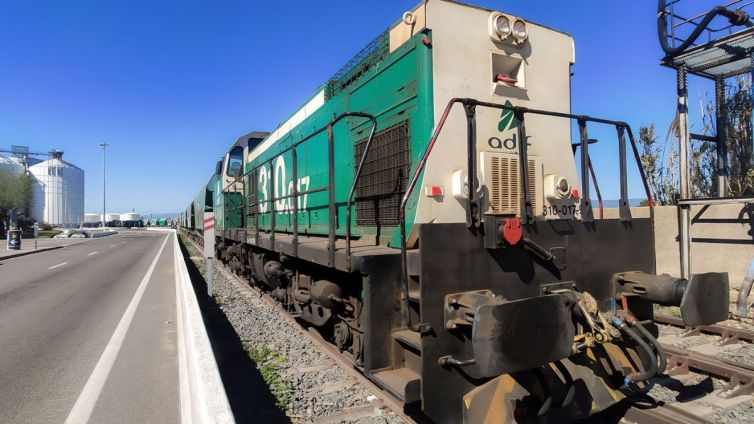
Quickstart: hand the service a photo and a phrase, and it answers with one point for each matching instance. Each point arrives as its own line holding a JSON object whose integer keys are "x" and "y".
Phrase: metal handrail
{"x": 519, "y": 113}
{"x": 330, "y": 188}
{"x": 677, "y": 21}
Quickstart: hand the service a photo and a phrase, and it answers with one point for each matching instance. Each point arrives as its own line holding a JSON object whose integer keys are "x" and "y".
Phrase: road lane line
{"x": 55, "y": 266}
{"x": 113, "y": 245}
{"x": 82, "y": 409}
{"x": 93, "y": 253}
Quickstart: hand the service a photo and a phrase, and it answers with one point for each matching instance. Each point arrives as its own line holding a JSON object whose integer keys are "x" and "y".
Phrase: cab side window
{"x": 235, "y": 162}
{"x": 254, "y": 142}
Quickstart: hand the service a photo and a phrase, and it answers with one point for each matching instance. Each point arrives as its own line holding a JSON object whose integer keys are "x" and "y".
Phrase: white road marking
{"x": 113, "y": 245}
{"x": 93, "y": 253}
{"x": 55, "y": 266}
{"x": 82, "y": 409}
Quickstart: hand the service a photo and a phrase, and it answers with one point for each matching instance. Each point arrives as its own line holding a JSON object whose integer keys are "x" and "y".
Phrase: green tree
{"x": 15, "y": 192}
{"x": 660, "y": 175}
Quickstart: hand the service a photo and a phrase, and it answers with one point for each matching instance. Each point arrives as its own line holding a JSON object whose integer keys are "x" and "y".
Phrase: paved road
{"x": 75, "y": 331}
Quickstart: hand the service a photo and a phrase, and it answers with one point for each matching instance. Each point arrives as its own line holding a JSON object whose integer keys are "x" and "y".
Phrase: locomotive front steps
{"x": 413, "y": 263}
{"x": 409, "y": 338}
{"x": 403, "y": 383}
{"x": 414, "y": 295}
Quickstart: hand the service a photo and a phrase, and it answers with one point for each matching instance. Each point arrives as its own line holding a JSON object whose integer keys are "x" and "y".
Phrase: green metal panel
{"x": 399, "y": 88}
{"x": 227, "y": 206}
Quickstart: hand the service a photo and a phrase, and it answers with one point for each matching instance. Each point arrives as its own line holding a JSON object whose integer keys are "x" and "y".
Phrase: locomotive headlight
{"x": 519, "y": 31}
{"x": 556, "y": 188}
{"x": 502, "y": 26}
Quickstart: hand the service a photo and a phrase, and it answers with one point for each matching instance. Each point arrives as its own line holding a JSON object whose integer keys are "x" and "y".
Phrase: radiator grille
{"x": 384, "y": 176}
{"x": 505, "y": 185}
{"x": 251, "y": 210}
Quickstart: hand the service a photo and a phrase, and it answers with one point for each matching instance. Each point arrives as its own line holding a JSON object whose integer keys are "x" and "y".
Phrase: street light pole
{"x": 104, "y": 148}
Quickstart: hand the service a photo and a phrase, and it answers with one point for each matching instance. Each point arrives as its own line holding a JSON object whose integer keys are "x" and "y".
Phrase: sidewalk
{"x": 43, "y": 245}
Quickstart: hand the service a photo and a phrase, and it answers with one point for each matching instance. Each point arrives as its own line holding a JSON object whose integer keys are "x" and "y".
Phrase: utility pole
{"x": 104, "y": 148}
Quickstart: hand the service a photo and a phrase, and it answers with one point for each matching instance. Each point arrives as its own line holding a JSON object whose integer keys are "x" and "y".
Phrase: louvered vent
{"x": 505, "y": 185}
{"x": 252, "y": 196}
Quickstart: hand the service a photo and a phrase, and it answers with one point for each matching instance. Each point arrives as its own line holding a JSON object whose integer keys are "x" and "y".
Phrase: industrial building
{"x": 11, "y": 164}
{"x": 128, "y": 219}
{"x": 58, "y": 188}
{"x": 58, "y": 192}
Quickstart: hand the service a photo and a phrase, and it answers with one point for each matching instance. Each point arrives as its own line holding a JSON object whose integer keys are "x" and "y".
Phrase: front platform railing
{"x": 473, "y": 207}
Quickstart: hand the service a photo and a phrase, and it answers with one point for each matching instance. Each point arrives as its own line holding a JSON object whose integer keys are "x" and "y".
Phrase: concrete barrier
{"x": 722, "y": 239}
{"x": 203, "y": 397}
{"x": 101, "y": 233}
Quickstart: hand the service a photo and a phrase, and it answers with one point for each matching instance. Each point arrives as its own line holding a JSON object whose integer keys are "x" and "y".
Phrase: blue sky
{"x": 171, "y": 83}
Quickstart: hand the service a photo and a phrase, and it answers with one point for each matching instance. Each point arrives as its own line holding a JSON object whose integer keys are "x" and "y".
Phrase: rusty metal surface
{"x": 729, "y": 334}
{"x": 663, "y": 414}
{"x": 740, "y": 377}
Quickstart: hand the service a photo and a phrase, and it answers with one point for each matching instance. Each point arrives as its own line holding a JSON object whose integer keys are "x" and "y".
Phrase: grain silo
{"x": 58, "y": 192}
{"x": 14, "y": 166}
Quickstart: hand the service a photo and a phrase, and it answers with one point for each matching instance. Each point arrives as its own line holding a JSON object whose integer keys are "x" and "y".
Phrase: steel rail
{"x": 729, "y": 334}
{"x": 740, "y": 376}
{"x": 663, "y": 413}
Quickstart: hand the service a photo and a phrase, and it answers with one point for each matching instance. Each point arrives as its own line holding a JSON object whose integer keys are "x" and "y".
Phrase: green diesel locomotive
{"x": 425, "y": 211}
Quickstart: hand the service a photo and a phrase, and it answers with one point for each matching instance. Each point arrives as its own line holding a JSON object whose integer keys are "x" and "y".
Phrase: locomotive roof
{"x": 243, "y": 140}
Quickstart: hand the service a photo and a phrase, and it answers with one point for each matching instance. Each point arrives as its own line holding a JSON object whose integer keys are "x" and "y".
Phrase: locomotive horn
{"x": 703, "y": 300}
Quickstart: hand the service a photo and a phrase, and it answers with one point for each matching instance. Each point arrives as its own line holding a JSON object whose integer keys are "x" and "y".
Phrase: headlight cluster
{"x": 503, "y": 26}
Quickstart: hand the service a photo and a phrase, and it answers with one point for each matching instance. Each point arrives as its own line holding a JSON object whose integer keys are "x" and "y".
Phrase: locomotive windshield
{"x": 235, "y": 162}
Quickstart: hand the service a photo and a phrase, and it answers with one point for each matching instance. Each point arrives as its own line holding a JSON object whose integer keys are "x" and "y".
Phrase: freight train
{"x": 427, "y": 211}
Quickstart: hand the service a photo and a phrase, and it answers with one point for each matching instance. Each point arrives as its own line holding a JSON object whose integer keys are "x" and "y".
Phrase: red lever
{"x": 506, "y": 79}
{"x": 512, "y": 232}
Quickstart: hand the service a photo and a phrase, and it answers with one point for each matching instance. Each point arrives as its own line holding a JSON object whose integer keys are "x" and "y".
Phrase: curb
{"x": 202, "y": 393}
{"x": 29, "y": 252}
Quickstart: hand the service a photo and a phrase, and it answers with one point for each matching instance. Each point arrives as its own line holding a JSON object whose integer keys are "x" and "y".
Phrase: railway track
{"x": 708, "y": 358}
{"x": 728, "y": 334}
{"x": 663, "y": 414}
{"x": 381, "y": 405}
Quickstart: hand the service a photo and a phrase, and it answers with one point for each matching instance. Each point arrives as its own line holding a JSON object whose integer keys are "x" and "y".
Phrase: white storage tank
{"x": 92, "y": 218}
{"x": 11, "y": 165}
{"x": 58, "y": 192}
{"x": 112, "y": 217}
{"x": 130, "y": 216}
{"x": 131, "y": 219}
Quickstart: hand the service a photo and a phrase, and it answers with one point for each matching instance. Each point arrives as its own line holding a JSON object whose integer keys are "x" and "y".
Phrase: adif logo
{"x": 506, "y": 123}
{"x": 506, "y": 119}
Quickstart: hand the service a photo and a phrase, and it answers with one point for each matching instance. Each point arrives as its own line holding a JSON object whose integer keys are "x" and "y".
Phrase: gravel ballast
{"x": 308, "y": 384}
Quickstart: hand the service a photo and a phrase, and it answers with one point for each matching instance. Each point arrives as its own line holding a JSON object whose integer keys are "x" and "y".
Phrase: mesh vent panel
{"x": 384, "y": 176}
